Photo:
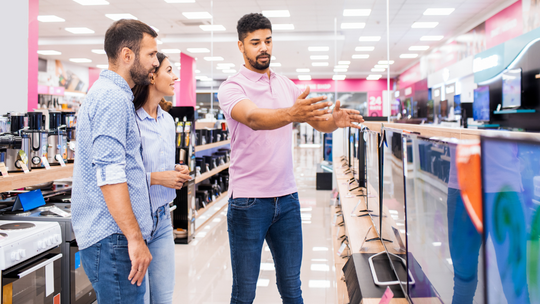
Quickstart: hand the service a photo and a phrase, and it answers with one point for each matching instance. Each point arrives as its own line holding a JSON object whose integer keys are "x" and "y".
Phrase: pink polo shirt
{"x": 261, "y": 161}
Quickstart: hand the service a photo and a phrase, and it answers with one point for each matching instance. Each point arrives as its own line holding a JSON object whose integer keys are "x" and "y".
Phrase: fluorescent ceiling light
{"x": 360, "y": 56}
{"x": 438, "y": 11}
{"x": 80, "y": 60}
{"x": 177, "y": 64}
{"x": 424, "y": 24}
{"x": 431, "y": 38}
{"x": 356, "y": 12}
{"x": 79, "y": 30}
{"x": 219, "y": 67}
{"x": 209, "y": 27}
{"x": 378, "y": 70}
{"x": 229, "y": 71}
{"x": 408, "y": 55}
{"x": 92, "y": 2}
{"x": 369, "y": 38}
{"x": 357, "y": 25}
{"x": 374, "y": 77}
{"x": 381, "y": 66}
{"x": 99, "y": 51}
{"x": 49, "y": 52}
{"x": 386, "y": 62}
{"x": 50, "y": 18}
{"x": 304, "y": 77}
{"x": 215, "y": 58}
{"x": 102, "y": 66}
{"x": 275, "y": 64}
{"x": 340, "y": 70}
{"x": 198, "y": 50}
{"x": 343, "y": 66}
{"x": 419, "y": 48}
{"x": 364, "y": 48}
{"x": 302, "y": 70}
{"x": 159, "y": 41}
{"x": 319, "y": 64}
{"x": 197, "y": 15}
{"x": 117, "y": 17}
{"x": 155, "y": 29}
{"x": 273, "y": 58}
{"x": 319, "y": 57}
{"x": 197, "y": 71}
{"x": 171, "y": 51}
{"x": 276, "y": 13}
{"x": 226, "y": 64}
{"x": 180, "y": 1}
{"x": 282, "y": 27}
{"x": 339, "y": 77}
{"x": 318, "y": 48}
{"x": 344, "y": 62}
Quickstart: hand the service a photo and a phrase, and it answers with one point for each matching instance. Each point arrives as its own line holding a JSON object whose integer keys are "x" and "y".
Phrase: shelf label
{"x": 387, "y": 296}
{"x": 3, "y": 169}
{"x": 60, "y": 160}
{"x": 24, "y": 167}
{"x": 341, "y": 249}
{"x": 45, "y": 163}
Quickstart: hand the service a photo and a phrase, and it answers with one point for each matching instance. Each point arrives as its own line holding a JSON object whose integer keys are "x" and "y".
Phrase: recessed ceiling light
{"x": 99, "y": 51}
{"x": 356, "y": 12}
{"x": 159, "y": 41}
{"x": 50, "y": 18}
{"x": 341, "y": 66}
{"x": 276, "y": 13}
{"x": 198, "y": 50}
{"x": 318, "y": 48}
{"x": 439, "y": 11}
{"x": 302, "y": 70}
{"x": 360, "y": 56}
{"x": 171, "y": 51}
{"x": 319, "y": 64}
{"x": 117, "y": 17}
{"x": 215, "y": 58}
{"x": 215, "y": 27}
{"x": 381, "y": 66}
{"x": 431, "y": 38}
{"x": 197, "y": 15}
{"x": 80, "y": 60}
{"x": 230, "y": 71}
{"x": 344, "y": 62}
{"x": 348, "y": 26}
{"x": 340, "y": 70}
{"x": 419, "y": 48}
{"x": 180, "y": 1}
{"x": 275, "y": 64}
{"x": 364, "y": 48}
{"x": 102, "y": 66}
{"x": 424, "y": 24}
{"x": 339, "y": 77}
{"x": 386, "y": 62}
{"x": 155, "y": 29}
{"x": 92, "y": 2}
{"x": 282, "y": 27}
{"x": 408, "y": 55}
{"x": 369, "y": 38}
{"x": 319, "y": 57}
{"x": 79, "y": 30}
{"x": 378, "y": 70}
{"x": 49, "y": 52}
{"x": 304, "y": 77}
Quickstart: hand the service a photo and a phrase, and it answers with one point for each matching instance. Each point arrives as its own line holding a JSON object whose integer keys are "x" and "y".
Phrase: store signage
{"x": 437, "y": 93}
{"x": 482, "y": 64}
{"x": 408, "y": 91}
{"x": 375, "y": 105}
{"x": 450, "y": 89}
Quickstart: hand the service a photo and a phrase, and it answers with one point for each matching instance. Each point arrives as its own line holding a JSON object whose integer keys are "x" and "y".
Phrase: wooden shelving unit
{"x": 210, "y": 173}
{"x": 212, "y": 145}
{"x": 19, "y": 180}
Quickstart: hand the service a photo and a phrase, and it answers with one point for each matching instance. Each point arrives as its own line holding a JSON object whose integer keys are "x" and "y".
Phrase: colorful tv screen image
{"x": 511, "y": 80}
{"x": 481, "y": 104}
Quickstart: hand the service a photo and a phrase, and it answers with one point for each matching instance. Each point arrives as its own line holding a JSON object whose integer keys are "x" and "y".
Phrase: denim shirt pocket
{"x": 242, "y": 203}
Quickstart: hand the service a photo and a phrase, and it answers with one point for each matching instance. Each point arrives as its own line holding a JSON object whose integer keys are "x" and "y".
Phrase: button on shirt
{"x": 108, "y": 152}
{"x": 158, "y": 142}
{"x": 261, "y": 161}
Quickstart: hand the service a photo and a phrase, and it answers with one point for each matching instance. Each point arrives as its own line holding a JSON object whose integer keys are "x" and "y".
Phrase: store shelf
{"x": 212, "y": 172}
{"x": 212, "y": 145}
{"x": 514, "y": 111}
{"x": 36, "y": 176}
{"x": 210, "y": 212}
{"x": 202, "y": 211}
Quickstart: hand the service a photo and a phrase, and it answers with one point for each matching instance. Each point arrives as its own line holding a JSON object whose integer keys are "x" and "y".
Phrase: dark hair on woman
{"x": 140, "y": 92}
{"x": 125, "y": 33}
{"x": 249, "y": 23}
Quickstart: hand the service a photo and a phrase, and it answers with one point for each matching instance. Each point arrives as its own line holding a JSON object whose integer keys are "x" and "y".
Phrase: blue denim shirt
{"x": 108, "y": 152}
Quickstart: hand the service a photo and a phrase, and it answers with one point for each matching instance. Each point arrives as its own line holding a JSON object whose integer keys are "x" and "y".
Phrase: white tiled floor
{"x": 203, "y": 268}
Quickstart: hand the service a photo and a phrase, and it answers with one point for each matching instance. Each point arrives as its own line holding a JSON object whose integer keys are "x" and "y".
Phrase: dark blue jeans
{"x": 107, "y": 266}
{"x": 252, "y": 220}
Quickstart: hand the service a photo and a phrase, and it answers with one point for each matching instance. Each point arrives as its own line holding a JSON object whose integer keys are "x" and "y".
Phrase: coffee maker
{"x": 38, "y": 139}
{"x": 68, "y": 119}
{"x": 16, "y": 153}
{"x": 8, "y": 142}
{"x": 57, "y": 138}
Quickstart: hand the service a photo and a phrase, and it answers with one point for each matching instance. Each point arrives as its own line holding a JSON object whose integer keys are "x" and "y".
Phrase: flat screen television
{"x": 511, "y": 219}
{"x": 352, "y": 135}
{"x": 361, "y": 170}
{"x": 481, "y": 110}
{"x": 511, "y": 89}
{"x": 443, "y": 245}
{"x": 457, "y": 104}
{"x": 373, "y": 163}
{"x": 444, "y": 108}
{"x": 346, "y": 143}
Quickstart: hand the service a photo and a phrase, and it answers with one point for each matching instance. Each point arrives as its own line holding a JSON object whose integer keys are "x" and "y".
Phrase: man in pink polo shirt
{"x": 260, "y": 107}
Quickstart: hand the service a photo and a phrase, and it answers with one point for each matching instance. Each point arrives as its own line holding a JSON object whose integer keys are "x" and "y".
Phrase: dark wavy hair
{"x": 140, "y": 92}
{"x": 249, "y": 23}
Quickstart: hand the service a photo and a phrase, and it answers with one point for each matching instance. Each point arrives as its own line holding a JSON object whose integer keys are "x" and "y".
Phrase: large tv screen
{"x": 481, "y": 104}
{"x": 373, "y": 177}
{"x": 511, "y": 80}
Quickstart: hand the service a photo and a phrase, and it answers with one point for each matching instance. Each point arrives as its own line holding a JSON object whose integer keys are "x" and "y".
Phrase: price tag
{"x": 338, "y": 233}
{"x": 60, "y": 160}
{"x": 334, "y": 221}
{"x": 45, "y": 162}
{"x": 387, "y": 296}
{"x": 341, "y": 249}
{"x": 3, "y": 169}
{"x": 59, "y": 211}
{"x": 24, "y": 167}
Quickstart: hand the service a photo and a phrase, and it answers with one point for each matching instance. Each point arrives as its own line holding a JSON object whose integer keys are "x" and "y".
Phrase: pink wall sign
{"x": 187, "y": 96}
{"x": 375, "y": 104}
{"x": 505, "y": 25}
{"x": 33, "y": 35}
{"x": 347, "y": 85}
{"x": 410, "y": 76}
{"x": 93, "y": 75}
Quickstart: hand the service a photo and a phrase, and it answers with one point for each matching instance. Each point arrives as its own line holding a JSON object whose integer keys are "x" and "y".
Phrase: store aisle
{"x": 203, "y": 268}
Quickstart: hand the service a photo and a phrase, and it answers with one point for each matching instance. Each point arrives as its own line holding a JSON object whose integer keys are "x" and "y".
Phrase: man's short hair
{"x": 249, "y": 23}
{"x": 126, "y": 33}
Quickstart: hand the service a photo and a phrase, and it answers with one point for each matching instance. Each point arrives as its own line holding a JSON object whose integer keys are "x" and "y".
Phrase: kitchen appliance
{"x": 68, "y": 119}
{"x": 15, "y": 154}
{"x": 57, "y": 139}
{"x": 30, "y": 261}
{"x": 38, "y": 139}
{"x": 4, "y": 124}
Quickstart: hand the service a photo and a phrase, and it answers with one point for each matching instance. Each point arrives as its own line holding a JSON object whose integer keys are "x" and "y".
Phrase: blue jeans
{"x": 252, "y": 220}
{"x": 107, "y": 266}
{"x": 160, "y": 283}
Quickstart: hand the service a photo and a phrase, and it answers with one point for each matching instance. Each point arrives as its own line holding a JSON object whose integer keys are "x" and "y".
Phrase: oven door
{"x": 36, "y": 281}
{"x": 81, "y": 288}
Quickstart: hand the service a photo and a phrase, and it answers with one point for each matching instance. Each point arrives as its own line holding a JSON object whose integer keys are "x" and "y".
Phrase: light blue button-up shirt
{"x": 158, "y": 142}
{"x": 108, "y": 152}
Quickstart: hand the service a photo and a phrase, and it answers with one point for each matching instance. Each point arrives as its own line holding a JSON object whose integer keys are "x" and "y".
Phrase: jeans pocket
{"x": 294, "y": 196}
{"x": 120, "y": 241}
{"x": 90, "y": 260}
{"x": 242, "y": 203}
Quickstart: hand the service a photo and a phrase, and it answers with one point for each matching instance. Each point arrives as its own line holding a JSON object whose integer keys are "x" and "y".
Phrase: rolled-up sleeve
{"x": 229, "y": 94}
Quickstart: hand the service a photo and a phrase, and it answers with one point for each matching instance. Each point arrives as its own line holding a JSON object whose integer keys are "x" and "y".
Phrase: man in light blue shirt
{"x": 111, "y": 211}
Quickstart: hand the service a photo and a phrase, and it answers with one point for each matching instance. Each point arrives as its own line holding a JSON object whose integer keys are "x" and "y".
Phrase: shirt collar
{"x": 254, "y": 76}
{"x": 141, "y": 113}
{"x": 117, "y": 80}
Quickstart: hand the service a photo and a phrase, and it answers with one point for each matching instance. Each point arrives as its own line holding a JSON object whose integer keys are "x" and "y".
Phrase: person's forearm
{"x": 327, "y": 126}
{"x": 119, "y": 204}
{"x": 268, "y": 119}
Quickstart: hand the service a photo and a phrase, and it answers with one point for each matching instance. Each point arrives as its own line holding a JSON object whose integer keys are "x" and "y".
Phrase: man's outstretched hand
{"x": 309, "y": 110}
{"x": 345, "y": 117}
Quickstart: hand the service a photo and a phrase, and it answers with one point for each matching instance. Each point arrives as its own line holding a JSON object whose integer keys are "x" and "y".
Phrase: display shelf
{"x": 212, "y": 172}
{"x": 212, "y": 145}
{"x": 516, "y": 111}
{"x": 342, "y": 296}
{"x": 202, "y": 211}
{"x": 19, "y": 180}
{"x": 211, "y": 212}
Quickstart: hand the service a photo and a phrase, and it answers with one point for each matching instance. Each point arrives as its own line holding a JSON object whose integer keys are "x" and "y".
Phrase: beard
{"x": 259, "y": 66}
{"x": 139, "y": 74}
